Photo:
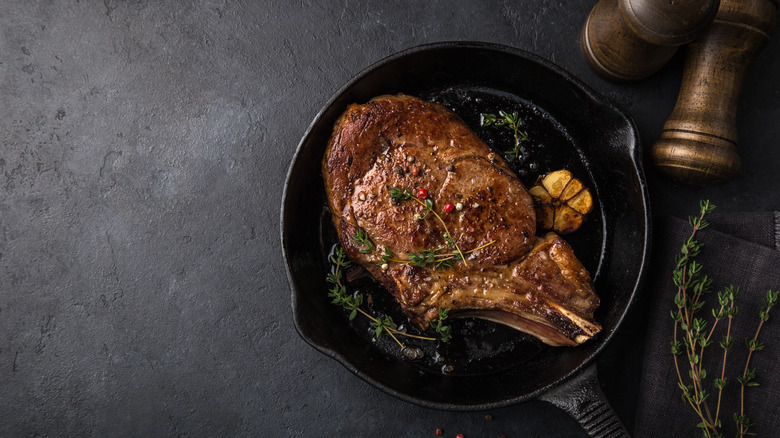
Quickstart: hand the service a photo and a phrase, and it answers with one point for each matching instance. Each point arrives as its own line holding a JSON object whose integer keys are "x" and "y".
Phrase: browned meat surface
{"x": 534, "y": 284}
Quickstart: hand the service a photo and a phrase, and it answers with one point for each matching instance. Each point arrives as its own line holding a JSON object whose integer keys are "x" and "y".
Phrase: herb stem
{"x": 448, "y": 256}
{"x": 752, "y": 347}
{"x": 352, "y": 304}
{"x": 446, "y": 230}
{"x": 688, "y": 302}
{"x": 723, "y": 365}
{"x": 392, "y": 330}
{"x": 513, "y": 121}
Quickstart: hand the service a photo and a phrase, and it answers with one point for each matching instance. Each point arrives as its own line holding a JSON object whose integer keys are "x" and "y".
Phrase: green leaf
{"x": 676, "y": 348}
{"x": 487, "y": 119}
{"x": 362, "y": 239}
{"x": 387, "y": 256}
{"x": 423, "y": 258}
{"x": 400, "y": 193}
{"x": 443, "y": 264}
{"x": 513, "y": 122}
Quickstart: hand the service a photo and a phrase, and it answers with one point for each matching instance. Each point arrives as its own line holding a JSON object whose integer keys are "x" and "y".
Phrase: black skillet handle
{"x": 582, "y": 399}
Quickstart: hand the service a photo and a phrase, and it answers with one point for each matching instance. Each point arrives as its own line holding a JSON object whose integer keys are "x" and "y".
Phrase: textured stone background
{"x": 144, "y": 150}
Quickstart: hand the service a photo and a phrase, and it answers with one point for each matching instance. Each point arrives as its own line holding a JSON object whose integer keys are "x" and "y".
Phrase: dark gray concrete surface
{"x": 144, "y": 150}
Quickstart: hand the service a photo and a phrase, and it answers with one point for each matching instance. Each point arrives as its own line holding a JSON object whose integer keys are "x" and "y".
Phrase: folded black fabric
{"x": 739, "y": 249}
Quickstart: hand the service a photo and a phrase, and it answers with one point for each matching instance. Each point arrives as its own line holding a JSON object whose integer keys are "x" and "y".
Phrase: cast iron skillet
{"x": 486, "y": 365}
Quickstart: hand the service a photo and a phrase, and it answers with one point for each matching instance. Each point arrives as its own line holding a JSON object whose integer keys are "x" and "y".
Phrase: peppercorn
{"x": 422, "y": 193}
{"x": 449, "y": 207}
{"x": 439, "y": 431}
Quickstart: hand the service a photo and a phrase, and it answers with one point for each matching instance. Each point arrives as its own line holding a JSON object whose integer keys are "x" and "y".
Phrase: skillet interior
{"x": 573, "y": 128}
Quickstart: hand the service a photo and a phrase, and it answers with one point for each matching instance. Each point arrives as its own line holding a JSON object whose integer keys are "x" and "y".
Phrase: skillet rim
{"x": 633, "y": 151}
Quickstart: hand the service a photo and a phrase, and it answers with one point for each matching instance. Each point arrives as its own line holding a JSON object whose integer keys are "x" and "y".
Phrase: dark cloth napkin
{"x": 739, "y": 249}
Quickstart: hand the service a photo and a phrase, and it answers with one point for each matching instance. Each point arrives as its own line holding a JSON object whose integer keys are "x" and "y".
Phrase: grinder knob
{"x": 699, "y": 140}
{"x": 629, "y": 40}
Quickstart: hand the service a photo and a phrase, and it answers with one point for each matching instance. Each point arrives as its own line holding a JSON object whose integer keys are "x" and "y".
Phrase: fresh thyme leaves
{"x": 444, "y": 330}
{"x": 424, "y": 257}
{"x": 387, "y": 257}
{"x": 351, "y": 302}
{"x": 692, "y": 285}
{"x": 749, "y": 374}
{"x": 362, "y": 239}
{"x": 443, "y": 263}
{"x": 339, "y": 260}
{"x": 440, "y": 260}
{"x": 403, "y": 194}
{"x": 514, "y": 122}
{"x": 338, "y": 292}
{"x": 384, "y": 323}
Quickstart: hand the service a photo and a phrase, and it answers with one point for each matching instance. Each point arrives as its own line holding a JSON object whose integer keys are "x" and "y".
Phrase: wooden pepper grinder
{"x": 629, "y": 40}
{"x": 699, "y": 140}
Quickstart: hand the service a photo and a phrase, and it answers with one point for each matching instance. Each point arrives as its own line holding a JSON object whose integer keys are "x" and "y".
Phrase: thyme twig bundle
{"x": 692, "y": 337}
{"x": 352, "y": 302}
{"x": 513, "y": 122}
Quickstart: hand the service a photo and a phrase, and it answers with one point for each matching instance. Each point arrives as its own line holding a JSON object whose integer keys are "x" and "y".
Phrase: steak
{"x": 473, "y": 249}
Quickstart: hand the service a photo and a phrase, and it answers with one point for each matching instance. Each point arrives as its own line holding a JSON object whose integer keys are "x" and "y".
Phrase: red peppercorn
{"x": 460, "y": 435}
{"x": 439, "y": 431}
{"x": 449, "y": 207}
{"x": 422, "y": 194}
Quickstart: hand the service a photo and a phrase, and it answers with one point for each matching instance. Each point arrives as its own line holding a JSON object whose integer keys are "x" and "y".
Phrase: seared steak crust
{"x": 534, "y": 284}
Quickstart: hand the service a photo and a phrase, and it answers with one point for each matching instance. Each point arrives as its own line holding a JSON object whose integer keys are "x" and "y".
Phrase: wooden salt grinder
{"x": 629, "y": 40}
{"x": 699, "y": 140}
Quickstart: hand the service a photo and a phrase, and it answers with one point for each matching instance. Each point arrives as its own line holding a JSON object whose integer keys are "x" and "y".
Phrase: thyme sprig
{"x": 444, "y": 330}
{"x": 692, "y": 335}
{"x": 403, "y": 194}
{"x": 513, "y": 122}
{"x": 351, "y": 302}
{"x": 362, "y": 239}
{"x": 749, "y": 374}
{"x": 425, "y": 257}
